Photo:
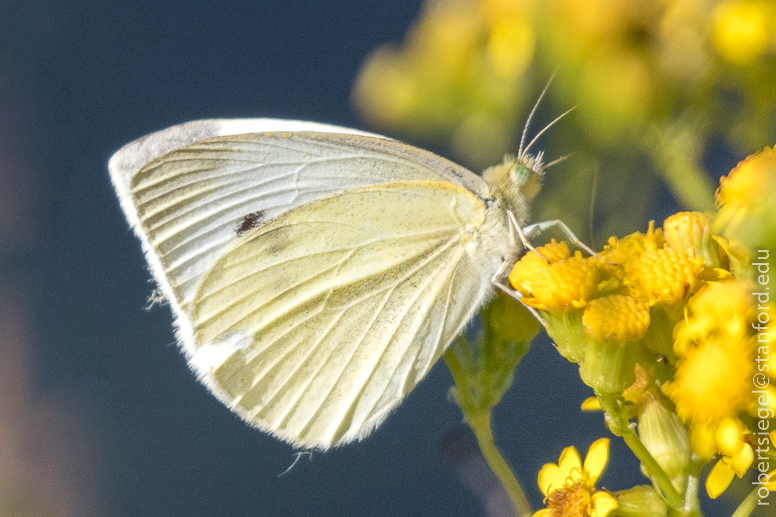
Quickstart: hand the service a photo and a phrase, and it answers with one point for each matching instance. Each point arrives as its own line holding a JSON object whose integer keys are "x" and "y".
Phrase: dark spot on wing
{"x": 250, "y": 222}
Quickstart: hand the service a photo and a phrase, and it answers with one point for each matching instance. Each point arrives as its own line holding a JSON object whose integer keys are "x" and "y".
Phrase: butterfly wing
{"x": 316, "y": 324}
{"x": 197, "y": 196}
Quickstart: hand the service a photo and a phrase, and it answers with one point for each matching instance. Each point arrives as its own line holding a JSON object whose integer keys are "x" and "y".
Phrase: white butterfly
{"x": 316, "y": 273}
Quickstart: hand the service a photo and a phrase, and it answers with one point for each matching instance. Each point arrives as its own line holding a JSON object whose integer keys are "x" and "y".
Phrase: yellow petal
{"x": 719, "y": 479}
{"x": 570, "y": 465}
{"x": 550, "y": 478}
{"x": 603, "y": 503}
{"x": 591, "y": 404}
{"x": 729, "y": 437}
{"x": 544, "y": 512}
{"x": 596, "y": 458}
{"x": 741, "y": 461}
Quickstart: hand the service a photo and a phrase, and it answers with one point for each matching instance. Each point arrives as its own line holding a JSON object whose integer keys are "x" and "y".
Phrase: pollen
{"x": 662, "y": 275}
{"x": 572, "y": 501}
{"x": 616, "y": 318}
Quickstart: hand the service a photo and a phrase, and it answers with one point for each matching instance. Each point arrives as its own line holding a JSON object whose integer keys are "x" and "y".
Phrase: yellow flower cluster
{"x": 614, "y": 290}
{"x": 687, "y": 307}
{"x": 715, "y": 345}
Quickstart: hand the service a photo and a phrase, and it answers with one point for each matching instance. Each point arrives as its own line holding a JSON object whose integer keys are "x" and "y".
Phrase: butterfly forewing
{"x": 194, "y": 201}
{"x": 319, "y": 322}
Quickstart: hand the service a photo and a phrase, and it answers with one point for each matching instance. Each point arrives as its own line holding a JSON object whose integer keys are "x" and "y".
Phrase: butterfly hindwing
{"x": 314, "y": 325}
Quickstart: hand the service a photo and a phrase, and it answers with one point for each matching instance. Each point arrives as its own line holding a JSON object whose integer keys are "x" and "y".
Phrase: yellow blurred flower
{"x": 718, "y": 309}
{"x": 510, "y": 47}
{"x": 747, "y": 200}
{"x": 749, "y": 183}
{"x": 569, "y": 486}
{"x": 646, "y": 76}
{"x": 742, "y": 29}
{"x": 713, "y": 380}
{"x": 691, "y": 233}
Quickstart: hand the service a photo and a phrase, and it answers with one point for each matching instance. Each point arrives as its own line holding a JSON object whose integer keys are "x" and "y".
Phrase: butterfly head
{"x": 516, "y": 181}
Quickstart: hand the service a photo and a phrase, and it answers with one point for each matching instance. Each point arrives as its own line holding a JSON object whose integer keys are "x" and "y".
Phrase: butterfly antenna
{"x": 530, "y": 117}
{"x": 558, "y": 160}
{"x": 548, "y": 126}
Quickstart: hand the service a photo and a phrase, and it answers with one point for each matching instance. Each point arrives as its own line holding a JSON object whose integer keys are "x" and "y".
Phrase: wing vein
{"x": 349, "y": 249}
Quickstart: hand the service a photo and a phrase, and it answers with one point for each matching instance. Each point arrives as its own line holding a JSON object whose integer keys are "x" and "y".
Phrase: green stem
{"x": 480, "y": 424}
{"x": 656, "y": 472}
{"x": 691, "y": 501}
{"x": 463, "y": 390}
{"x": 619, "y": 425}
{"x": 748, "y": 505}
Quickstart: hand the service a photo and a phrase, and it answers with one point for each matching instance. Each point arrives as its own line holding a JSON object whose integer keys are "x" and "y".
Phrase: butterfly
{"x": 317, "y": 273}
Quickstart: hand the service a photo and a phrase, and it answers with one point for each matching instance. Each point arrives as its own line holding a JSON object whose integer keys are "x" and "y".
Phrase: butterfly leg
{"x": 539, "y": 228}
{"x": 512, "y": 293}
{"x": 519, "y": 231}
{"x": 506, "y": 288}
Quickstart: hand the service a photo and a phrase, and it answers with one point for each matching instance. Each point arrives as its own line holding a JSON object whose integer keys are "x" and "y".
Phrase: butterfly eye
{"x": 520, "y": 174}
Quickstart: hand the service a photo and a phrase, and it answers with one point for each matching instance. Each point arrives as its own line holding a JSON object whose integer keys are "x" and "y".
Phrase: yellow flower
{"x": 559, "y": 285}
{"x": 616, "y": 318}
{"x": 565, "y": 284}
{"x": 748, "y": 183}
{"x": 524, "y": 272}
{"x": 690, "y": 233}
{"x": 729, "y": 438}
{"x": 719, "y": 479}
{"x": 741, "y": 30}
{"x": 746, "y": 200}
{"x": 620, "y": 251}
{"x": 569, "y": 486}
{"x": 591, "y": 404}
{"x": 662, "y": 275}
{"x": 719, "y": 308}
{"x": 712, "y": 380}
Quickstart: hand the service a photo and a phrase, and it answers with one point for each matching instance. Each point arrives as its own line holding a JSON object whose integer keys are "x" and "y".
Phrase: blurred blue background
{"x": 99, "y": 414}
